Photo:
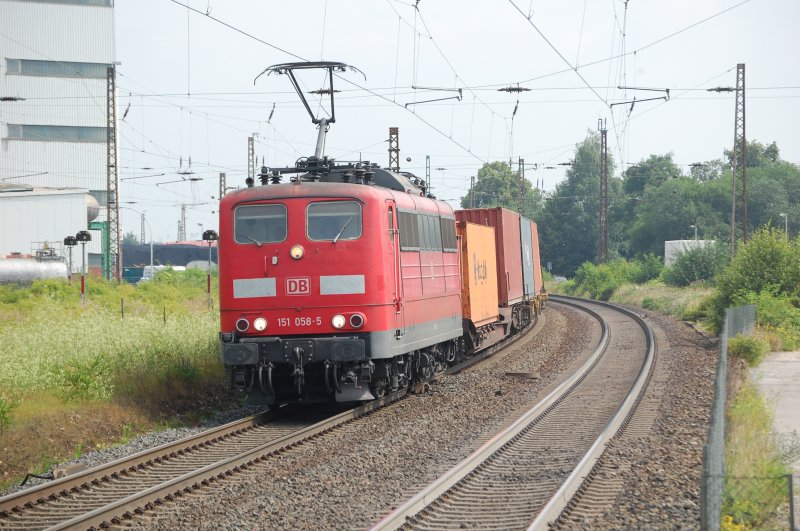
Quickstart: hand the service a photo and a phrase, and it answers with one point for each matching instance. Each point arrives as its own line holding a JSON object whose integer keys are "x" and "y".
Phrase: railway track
{"x": 526, "y": 475}
{"x": 108, "y": 494}
{"x": 113, "y": 493}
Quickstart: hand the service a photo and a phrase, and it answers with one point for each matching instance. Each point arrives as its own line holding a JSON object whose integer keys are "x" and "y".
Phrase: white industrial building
{"x": 54, "y": 56}
{"x": 48, "y": 213}
{"x": 674, "y": 248}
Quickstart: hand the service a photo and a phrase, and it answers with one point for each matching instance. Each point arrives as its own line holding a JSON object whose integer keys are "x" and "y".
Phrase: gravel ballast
{"x": 350, "y": 477}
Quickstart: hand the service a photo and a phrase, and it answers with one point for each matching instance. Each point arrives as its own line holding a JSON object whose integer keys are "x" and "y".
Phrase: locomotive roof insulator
{"x": 264, "y": 175}
{"x": 249, "y": 182}
{"x": 276, "y": 177}
{"x": 368, "y": 175}
{"x": 360, "y": 175}
{"x": 347, "y": 176}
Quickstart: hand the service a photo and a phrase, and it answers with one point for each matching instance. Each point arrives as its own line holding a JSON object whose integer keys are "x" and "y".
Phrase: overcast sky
{"x": 185, "y": 85}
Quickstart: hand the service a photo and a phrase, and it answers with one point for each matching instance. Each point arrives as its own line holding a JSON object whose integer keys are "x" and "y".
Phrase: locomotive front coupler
{"x": 266, "y": 386}
{"x": 298, "y": 373}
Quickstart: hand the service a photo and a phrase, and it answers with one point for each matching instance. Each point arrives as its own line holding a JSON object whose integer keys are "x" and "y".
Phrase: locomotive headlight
{"x": 356, "y": 320}
{"x": 260, "y": 324}
{"x": 338, "y": 321}
{"x": 242, "y": 325}
{"x": 297, "y": 252}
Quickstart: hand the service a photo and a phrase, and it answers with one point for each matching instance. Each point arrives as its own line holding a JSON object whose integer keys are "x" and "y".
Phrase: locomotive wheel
{"x": 379, "y": 387}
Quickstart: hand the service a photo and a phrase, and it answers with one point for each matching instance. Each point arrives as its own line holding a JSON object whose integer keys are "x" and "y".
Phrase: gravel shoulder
{"x": 656, "y": 462}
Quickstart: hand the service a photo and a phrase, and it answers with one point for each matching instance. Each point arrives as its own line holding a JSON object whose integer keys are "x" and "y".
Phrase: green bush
{"x": 86, "y": 378}
{"x": 769, "y": 262}
{"x": 596, "y": 281}
{"x": 647, "y": 268}
{"x": 6, "y": 407}
{"x": 749, "y": 348}
{"x": 697, "y": 264}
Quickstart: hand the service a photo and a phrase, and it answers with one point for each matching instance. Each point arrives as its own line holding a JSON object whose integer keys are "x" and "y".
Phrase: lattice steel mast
{"x": 112, "y": 241}
{"x": 739, "y": 169}
{"x": 394, "y": 149}
{"x": 251, "y": 157}
{"x": 602, "y": 209}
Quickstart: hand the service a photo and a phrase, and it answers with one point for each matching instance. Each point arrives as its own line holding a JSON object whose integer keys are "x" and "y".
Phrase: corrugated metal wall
{"x": 61, "y": 32}
{"x": 54, "y": 32}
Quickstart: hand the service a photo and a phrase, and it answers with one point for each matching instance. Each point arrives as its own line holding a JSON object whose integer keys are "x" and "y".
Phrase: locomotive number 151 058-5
{"x": 299, "y": 321}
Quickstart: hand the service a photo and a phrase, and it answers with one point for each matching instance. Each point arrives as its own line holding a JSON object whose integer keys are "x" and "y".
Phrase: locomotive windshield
{"x": 334, "y": 220}
{"x": 258, "y": 224}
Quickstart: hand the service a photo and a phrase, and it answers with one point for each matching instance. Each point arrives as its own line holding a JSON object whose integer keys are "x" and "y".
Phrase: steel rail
{"x": 429, "y": 494}
{"x": 582, "y": 471}
{"x": 76, "y": 481}
{"x": 114, "y": 513}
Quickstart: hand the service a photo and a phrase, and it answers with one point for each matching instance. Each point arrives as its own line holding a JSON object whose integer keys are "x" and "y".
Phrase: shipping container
{"x": 528, "y": 278}
{"x": 537, "y": 261}
{"x": 479, "y": 273}
{"x": 507, "y": 243}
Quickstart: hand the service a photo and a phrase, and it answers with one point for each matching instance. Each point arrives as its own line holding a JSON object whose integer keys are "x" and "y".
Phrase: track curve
{"x": 527, "y": 474}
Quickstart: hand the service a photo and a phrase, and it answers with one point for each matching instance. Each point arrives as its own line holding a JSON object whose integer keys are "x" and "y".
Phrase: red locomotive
{"x": 350, "y": 281}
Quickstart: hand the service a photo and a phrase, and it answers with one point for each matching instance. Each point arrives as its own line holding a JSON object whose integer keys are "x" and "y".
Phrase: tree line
{"x": 652, "y": 201}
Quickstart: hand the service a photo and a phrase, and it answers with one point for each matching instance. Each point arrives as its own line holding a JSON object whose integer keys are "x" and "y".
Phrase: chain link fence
{"x": 780, "y": 491}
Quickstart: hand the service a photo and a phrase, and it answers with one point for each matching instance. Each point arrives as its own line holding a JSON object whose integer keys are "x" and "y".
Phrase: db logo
{"x": 298, "y": 286}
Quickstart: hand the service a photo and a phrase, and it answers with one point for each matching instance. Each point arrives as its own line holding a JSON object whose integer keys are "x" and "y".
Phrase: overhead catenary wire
{"x": 234, "y": 28}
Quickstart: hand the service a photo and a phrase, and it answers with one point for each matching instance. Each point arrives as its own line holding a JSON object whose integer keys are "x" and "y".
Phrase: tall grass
{"x": 755, "y": 484}
{"x": 56, "y": 346}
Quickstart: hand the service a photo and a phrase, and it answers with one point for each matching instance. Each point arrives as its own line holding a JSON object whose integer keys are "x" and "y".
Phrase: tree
{"x": 130, "y": 239}
{"x": 707, "y": 171}
{"x": 569, "y": 221}
{"x": 757, "y": 154}
{"x": 668, "y": 212}
{"x": 654, "y": 171}
{"x": 498, "y": 185}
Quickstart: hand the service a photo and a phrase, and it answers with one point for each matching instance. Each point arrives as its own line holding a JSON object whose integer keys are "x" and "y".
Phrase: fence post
{"x": 790, "y": 479}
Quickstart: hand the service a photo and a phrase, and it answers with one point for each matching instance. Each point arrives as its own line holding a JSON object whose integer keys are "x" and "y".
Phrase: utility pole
{"x": 251, "y": 157}
{"x": 141, "y": 233}
{"x": 112, "y": 243}
{"x": 521, "y": 172}
{"x": 394, "y": 149}
{"x": 602, "y": 215}
{"x": 739, "y": 170}
{"x": 222, "y": 186}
